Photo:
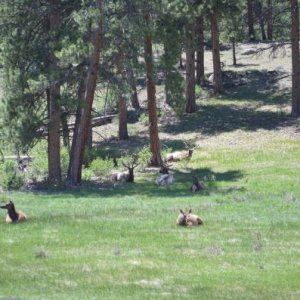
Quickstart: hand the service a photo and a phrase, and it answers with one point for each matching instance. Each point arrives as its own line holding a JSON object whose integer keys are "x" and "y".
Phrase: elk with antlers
{"x": 127, "y": 176}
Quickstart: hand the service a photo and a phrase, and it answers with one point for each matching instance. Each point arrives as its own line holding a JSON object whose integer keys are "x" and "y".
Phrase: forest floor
{"x": 121, "y": 242}
{"x": 258, "y": 107}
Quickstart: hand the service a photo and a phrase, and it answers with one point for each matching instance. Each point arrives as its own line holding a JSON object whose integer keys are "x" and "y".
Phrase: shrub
{"x": 87, "y": 174}
{"x": 10, "y": 176}
{"x": 144, "y": 119}
{"x": 144, "y": 157}
{"x": 101, "y": 167}
{"x": 39, "y": 167}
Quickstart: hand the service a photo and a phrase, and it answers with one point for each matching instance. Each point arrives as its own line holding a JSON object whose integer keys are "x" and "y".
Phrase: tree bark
{"x": 218, "y": 84}
{"x": 251, "y": 31}
{"x": 270, "y": 21}
{"x": 122, "y": 107}
{"x": 190, "y": 80}
{"x": 200, "y": 50}
{"x": 156, "y": 159}
{"x": 233, "y": 51}
{"x": 260, "y": 15}
{"x": 295, "y": 59}
{"x": 65, "y": 129}
{"x": 81, "y": 134}
{"x": 132, "y": 82}
{"x": 53, "y": 93}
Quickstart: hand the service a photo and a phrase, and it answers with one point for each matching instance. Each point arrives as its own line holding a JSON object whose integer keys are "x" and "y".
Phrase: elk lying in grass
{"x": 179, "y": 155}
{"x": 13, "y": 216}
{"x": 197, "y": 185}
{"x": 126, "y": 176}
{"x": 165, "y": 179}
{"x": 188, "y": 219}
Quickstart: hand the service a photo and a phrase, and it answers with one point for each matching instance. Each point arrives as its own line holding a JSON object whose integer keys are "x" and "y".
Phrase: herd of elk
{"x": 164, "y": 179}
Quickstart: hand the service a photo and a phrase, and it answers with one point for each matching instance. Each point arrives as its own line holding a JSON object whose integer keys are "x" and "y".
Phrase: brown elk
{"x": 181, "y": 219}
{"x": 188, "y": 219}
{"x": 13, "y": 216}
{"x": 197, "y": 185}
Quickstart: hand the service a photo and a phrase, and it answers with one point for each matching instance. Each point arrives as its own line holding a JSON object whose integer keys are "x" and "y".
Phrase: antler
{"x": 188, "y": 145}
{"x": 132, "y": 164}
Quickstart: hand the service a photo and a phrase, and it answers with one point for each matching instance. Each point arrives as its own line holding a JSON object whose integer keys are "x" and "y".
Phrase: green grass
{"x": 105, "y": 242}
{"x": 123, "y": 243}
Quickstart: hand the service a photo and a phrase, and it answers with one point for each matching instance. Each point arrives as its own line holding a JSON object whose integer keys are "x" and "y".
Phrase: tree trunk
{"x": 261, "y": 17}
{"x": 122, "y": 108}
{"x": 89, "y": 142}
{"x": 233, "y": 51}
{"x": 190, "y": 80}
{"x": 200, "y": 50}
{"x": 270, "y": 20}
{"x": 180, "y": 62}
{"x": 81, "y": 134}
{"x": 65, "y": 129}
{"x": 295, "y": 59}
{"x": 218, "y": 84}
{"x": 156, "y": 159}
{"x": 167, "y": 70}
{"x": 132, "y": 82}
{"x": 53, "y": 93}
{"x": 251, "y": 31}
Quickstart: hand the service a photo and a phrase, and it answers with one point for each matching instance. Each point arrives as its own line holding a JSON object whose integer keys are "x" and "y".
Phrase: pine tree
{"x": 295, "y": 58}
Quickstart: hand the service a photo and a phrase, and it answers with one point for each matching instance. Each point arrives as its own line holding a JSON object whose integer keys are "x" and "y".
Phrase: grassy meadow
{"x": 121, "y": 242}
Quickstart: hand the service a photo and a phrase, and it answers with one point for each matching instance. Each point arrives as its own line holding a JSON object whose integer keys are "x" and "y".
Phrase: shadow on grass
{"x": 147, "y": 186}
{"x": 260, "y": 90}
{"x": 261, "y": 86}
{"x": 215, "y": 119}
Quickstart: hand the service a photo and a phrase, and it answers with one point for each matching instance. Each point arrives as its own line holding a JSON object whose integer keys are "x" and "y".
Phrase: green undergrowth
{"x": 122, "y": 242}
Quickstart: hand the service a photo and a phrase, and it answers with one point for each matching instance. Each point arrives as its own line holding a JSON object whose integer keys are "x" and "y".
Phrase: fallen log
{"x": 97, "y": 121}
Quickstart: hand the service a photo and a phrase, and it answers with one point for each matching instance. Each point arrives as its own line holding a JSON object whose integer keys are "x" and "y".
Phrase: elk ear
{"x": 181, "y": 211}
{"x": 10, "y": 202}
{"x": 190, "y": 211}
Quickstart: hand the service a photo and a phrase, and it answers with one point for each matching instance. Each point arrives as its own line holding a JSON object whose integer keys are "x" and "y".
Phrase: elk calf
{"x": 188, "y": 219}
{"x": 181, "y": 219}
{"x": 13, "y": 216}
{"x": 193, "y": 220}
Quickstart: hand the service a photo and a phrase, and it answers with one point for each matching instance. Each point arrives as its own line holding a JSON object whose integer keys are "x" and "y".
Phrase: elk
{"x": 180, "y": 155}
{"x": 193, "y": 220}
{"x": 181, "y": 219}
{"x": 197, "y": 185}
{"x": 13, "y": 216}
{"x": 23, "y": 163}
{"x": 124, "y": 176}
{"x": 188, "y": 219}
{"x": 165, "y": 179}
